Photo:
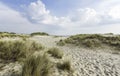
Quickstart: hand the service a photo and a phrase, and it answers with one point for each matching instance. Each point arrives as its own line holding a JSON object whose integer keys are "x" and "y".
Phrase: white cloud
{"x": 84, "y": 17}
{"x": 39, "y": 14}
{"x": 115, "y": 12}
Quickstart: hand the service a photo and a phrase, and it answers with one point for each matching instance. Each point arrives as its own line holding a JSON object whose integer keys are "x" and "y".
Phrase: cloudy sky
{"x": 61, "y": 17}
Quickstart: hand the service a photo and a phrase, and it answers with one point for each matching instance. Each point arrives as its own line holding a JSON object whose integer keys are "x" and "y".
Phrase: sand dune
{"x": 85, "y": 62}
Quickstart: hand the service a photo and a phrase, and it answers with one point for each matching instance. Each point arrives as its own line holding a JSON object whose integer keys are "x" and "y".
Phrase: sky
{"x": 60, "y": 17}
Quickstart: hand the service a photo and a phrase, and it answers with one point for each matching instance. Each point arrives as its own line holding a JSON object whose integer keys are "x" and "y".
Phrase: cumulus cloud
{"x": 37, "y": 13}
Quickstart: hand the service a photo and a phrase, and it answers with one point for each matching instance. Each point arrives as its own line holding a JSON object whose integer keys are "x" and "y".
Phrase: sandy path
{"x": 86, "y": 62}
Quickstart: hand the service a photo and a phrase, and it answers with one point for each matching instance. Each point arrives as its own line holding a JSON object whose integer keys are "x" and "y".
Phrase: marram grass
{"x": 37, "y": 66}
{"x": 13, "y": 50}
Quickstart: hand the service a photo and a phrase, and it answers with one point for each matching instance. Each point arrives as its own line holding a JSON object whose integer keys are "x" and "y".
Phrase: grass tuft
{"x": 55, "y": 52}
{"x": 61, "y": 43}
{"x": 91, "y": 43}
{"x": 13, "y": 50}
{"x": 66, "y": 65}
{"x": 37, "y": 66}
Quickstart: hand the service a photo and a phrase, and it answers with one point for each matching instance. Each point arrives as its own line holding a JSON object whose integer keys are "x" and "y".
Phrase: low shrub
{"x": 55, "y": 52}
{"x": 37, "y": 66}
{"x": 39, "y": 33}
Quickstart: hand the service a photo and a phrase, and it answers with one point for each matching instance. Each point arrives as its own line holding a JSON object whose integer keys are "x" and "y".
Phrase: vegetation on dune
{"x": 13, "y": 50}
{"x": 34, "y": 46}
{"x": 66, "y": 65}
{"x": 39, "y": 33}
{"x": 61, "y": 43}
{"x": 109, "y": 34}
{"x": 12, "y": 34}
{"x": 55, "y": 52}
{"x": 92, "y": 40}
{"x": 8, "y": 32}
{"x": 91, "y": 43}
{"x": 23, "y": 51}
{"x": 37, "y": 66}
{"x": 42, "y": 66}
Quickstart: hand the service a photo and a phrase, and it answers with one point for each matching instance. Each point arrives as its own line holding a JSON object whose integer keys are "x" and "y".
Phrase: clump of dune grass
{"x": 61, "y": 43}
{"x": 39, "y": 33}
{"x": 33, "y": 45}
{"x": 55, "y": 52}
{"x": 66, "y": 65}
{"x": 37, "y": 66}
{"x": 12, "y": 35}
{"x": 10, "y": 50}
{"x": 91, "y": 43}
{"x": 13, "y": 50}
{"x": 109, "y": 34}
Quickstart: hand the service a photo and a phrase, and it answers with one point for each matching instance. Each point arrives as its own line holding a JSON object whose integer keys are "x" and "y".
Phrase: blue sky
{"x": 57, "y": 7}
{"x": 60, "y": 16}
